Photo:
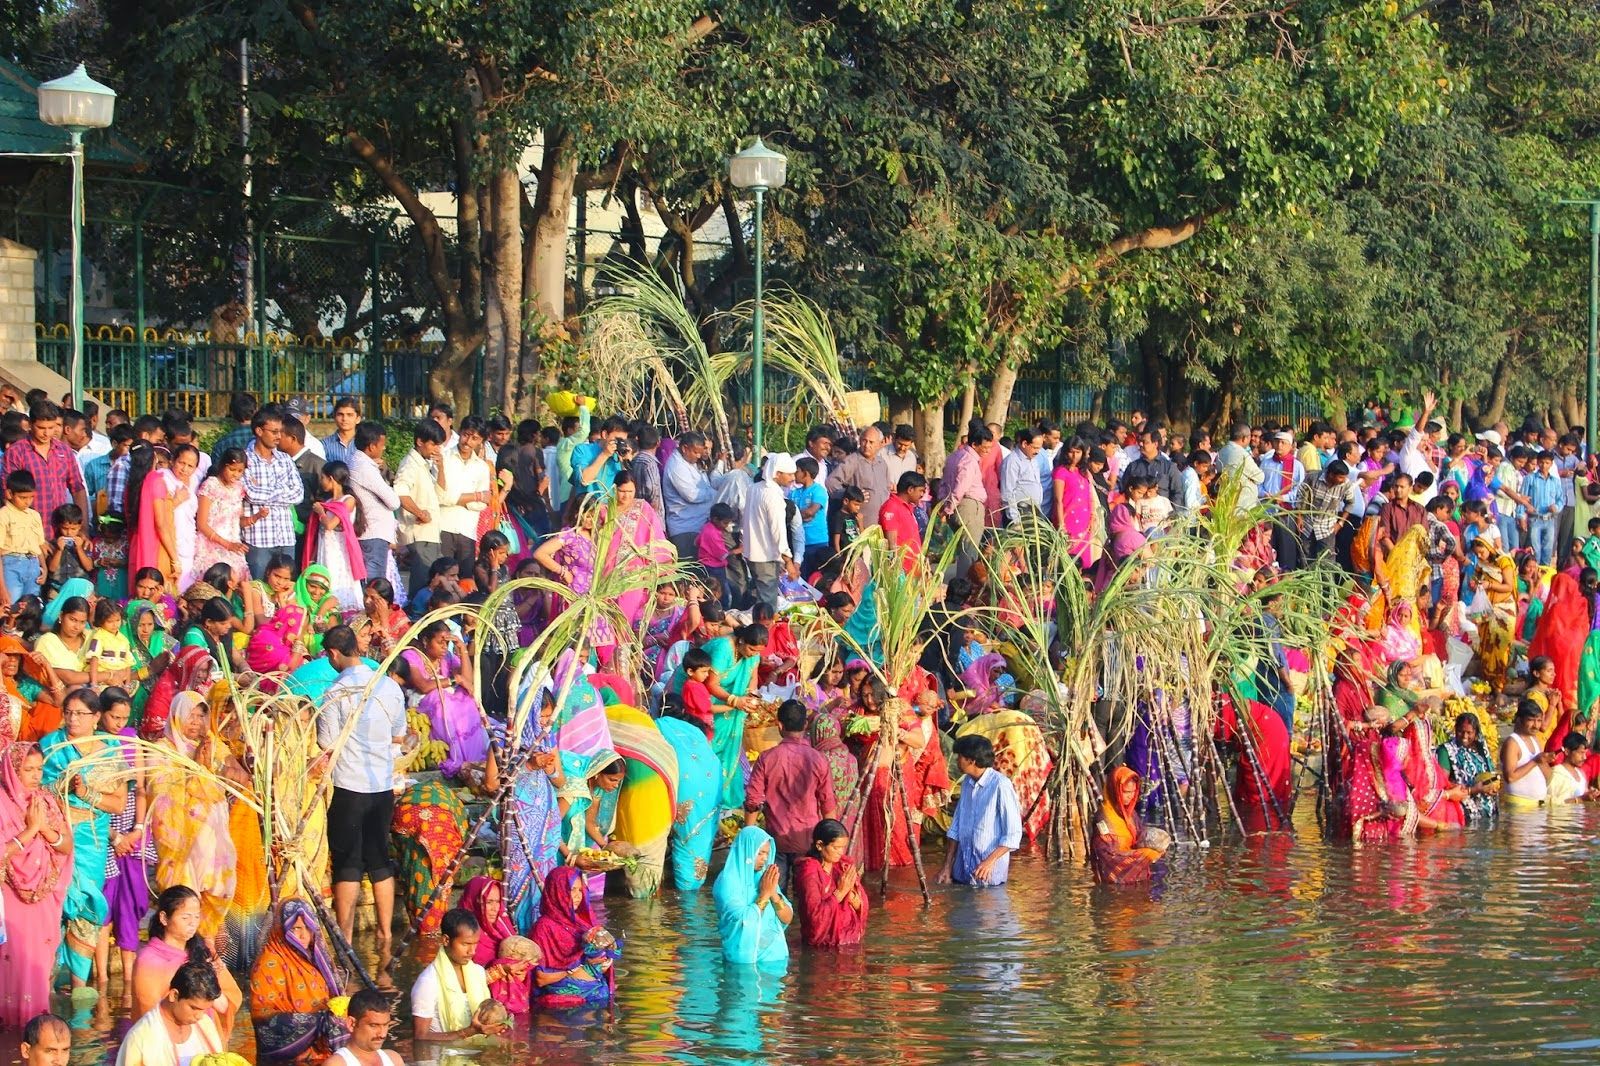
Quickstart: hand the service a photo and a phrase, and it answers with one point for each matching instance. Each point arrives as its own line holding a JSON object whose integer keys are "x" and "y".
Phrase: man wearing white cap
{"x": 766, "y": 529}
{"x": 1281, "y": 478}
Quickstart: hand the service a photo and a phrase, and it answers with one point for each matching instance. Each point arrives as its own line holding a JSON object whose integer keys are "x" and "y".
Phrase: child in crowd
{"x": 696, "y": 694}
{"x": 444, "y": 573}
{"x": 713, "y": 549}
{"x": 23, "y": 550}
{"x": 109, "y": 657}
{"x": 844, "y": 523}
{"x": 69, "y": 557}
{"x": 108, "y": 552}
{"x": 811, "y": 500}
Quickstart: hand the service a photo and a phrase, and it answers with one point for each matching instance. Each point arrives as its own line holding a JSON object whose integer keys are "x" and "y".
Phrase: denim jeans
{"x": 1507, "y": 524}
{"x": 258, "y": 558}
{"x": 375, "y": 555}
{"x": 1542, "y": 538}
{"x": 764, "y": 582}
{"x": 22, "y": 575}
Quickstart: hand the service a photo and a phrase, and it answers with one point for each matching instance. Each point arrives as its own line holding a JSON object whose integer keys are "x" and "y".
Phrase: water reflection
{"x": 1467, "y": 948}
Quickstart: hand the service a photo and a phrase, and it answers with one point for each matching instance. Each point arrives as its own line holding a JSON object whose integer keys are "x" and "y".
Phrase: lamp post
{"x": 1592, "y": 410}
{"x": 76, "y": 103}
{"x": 758, "y": 168}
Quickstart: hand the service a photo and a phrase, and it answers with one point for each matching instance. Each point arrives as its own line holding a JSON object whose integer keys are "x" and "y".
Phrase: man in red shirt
{"x": 793, "y": 783}
{"x": 898, "y": 517}
{"x": 53, "y": 465}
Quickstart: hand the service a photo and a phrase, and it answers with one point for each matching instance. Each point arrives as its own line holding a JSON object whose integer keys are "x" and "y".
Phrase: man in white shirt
{"x": 766, "y": 530}
{"x": 416, "y": 483}
{"x": 1021, "y": 491}
{"x": 464, "y": 492}
{"x": 363, "y": 778}
{"x": 689, "y": 492}
{"x": 431, "y": 1017}
{"x": 1416, "y": 454}
{"x": 377, "y": 498}
{"x": 901, "y": 455}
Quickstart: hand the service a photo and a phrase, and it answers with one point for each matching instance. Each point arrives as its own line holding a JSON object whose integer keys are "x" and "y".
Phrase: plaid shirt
{"x": 56, "y": 474}
{"x": 1322, "y": 504}
{"x": 274, "y": 484}
{"x": 117, "y": 484}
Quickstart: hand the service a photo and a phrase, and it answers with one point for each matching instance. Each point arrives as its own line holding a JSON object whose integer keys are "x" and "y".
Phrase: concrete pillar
{"x": 16, "y": 302}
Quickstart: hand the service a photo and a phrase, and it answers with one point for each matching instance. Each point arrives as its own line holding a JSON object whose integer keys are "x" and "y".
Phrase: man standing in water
{"x": 987, "y": 825}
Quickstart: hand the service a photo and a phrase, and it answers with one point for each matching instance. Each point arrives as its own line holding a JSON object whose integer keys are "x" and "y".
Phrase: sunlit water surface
{"x": 1472, "y": 948}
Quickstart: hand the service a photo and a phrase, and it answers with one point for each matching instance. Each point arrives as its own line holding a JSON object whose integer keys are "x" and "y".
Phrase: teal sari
{"x": 751, "y": 935}
{"x": 85, "y": 911}
{"x": 577, "y": 769}
{"x": 738, "y": 678}
{"x": 694, "y": 829}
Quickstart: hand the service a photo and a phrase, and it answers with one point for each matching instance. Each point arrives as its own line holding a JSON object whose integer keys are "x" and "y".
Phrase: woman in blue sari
{"x": 694, "y": 826}
{"x": 85, "y": 913}
{"x": 532, "y": 822}
{"x": 752, "y": 912}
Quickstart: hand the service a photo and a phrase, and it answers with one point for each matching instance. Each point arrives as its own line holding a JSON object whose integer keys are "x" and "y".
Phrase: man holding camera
{"x": 595, "y": 465}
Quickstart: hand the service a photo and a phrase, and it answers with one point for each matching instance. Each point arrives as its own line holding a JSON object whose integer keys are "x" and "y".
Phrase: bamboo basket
{"x": 864, "y": 407}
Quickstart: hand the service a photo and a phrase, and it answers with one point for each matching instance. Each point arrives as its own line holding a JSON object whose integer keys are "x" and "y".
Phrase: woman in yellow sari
{"x": 189, "y": 813}
{"x": 1400, "y": 579}
{"x": 1497, "y": 577}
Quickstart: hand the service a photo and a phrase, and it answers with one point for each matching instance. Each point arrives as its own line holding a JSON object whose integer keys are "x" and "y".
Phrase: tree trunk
{"x": 504, "y": 261}
{"x": 1005, "y": 382}
{"x": 902, "y": 411}
{"x": 1571, "y": 409}
{"x": 1153, "y": 368}
{"x": 969, "y": 401}
{"x": 929, "y": 423}
{"x": 1494, "y": 407}
{"x": 551, "y": 206}
{"x": 450, "y": 377}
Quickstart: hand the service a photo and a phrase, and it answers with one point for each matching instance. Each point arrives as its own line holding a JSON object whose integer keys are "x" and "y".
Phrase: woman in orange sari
{"x": 1117, "y": 852}
{"x": 290, "y": 987}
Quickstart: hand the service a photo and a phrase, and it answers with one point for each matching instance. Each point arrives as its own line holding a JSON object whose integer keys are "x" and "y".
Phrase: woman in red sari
{"x": 1252, "y": 787}
{"x": 1437, "y": 800}
{"x": 926, "y": 776}
{"x": 833, "y": 905}
{"x": 1563, "y": 628}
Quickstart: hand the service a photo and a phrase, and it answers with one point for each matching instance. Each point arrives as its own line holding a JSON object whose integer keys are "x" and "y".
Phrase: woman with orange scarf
{"x": 291, "y": 984}
{"x": 1117, "y": 854}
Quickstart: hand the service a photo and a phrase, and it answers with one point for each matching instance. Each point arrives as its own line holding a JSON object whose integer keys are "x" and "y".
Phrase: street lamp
{"x": 76, "y": 103}
{"x": 758, "y": 168}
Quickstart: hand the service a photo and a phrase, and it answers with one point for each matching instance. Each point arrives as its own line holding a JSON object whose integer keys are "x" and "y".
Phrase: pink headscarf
{"x": 36, "y": 871}
{"x": 493, "y": 932}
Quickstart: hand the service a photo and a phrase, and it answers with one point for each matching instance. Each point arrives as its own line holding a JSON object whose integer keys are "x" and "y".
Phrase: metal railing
{"x": 156, "y": 370}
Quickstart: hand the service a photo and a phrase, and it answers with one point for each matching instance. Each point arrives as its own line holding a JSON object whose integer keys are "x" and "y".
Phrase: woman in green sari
{"x": 313, "y": 591}
{"x": 734, "y": 662}
{"x": 152, "y": 651}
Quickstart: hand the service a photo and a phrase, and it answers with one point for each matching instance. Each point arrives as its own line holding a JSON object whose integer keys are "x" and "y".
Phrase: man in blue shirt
{"x": 987, "y": 825}
{"x": 1545, "y": 495}
{"x": 596, "y": 464}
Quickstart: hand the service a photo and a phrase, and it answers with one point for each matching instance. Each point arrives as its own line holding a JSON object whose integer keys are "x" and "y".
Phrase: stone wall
{"x": 16, "y": 302}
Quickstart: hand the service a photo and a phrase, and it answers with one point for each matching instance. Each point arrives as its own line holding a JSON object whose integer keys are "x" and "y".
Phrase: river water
{"x": 1470, "y": 948}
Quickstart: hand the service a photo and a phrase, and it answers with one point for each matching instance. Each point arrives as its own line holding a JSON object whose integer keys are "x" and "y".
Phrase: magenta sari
{"x": 639, "y": 541}
{"x": 33, "y": 885}
{"x": 1076, "y": 515}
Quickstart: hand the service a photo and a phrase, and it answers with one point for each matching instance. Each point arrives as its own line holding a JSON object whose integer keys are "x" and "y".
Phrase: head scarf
{"x": 183, "y": 704}
{"x": 1121, "y": 822}
{"x": 159, "y": 640}
{"x": 302, "y": 588}
{"x": 10, "y": 645}
{"x": 493, "y": 932}
{"x": 77, "y": 586}
{"x": 35, "y": 873}
{"x": 749, "y": 935}
{"x": 287, "y": 974}
{"x": 826, "y": 733}
{"x": 562, "y": 927}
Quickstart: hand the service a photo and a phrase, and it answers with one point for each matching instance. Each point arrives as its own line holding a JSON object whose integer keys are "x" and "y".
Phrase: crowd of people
{"x": 143, "y": 580}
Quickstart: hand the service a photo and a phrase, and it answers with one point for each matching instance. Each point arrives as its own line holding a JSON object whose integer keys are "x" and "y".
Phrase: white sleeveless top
{"x": 345, "y": 1055}
{"x": 1530, "y": 786}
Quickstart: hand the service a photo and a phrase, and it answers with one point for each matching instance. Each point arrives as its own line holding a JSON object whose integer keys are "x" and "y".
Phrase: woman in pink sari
{"x": 637, "y": 543}
{"x": 1074, "y": 497}
{"x": 36, "y": 861}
